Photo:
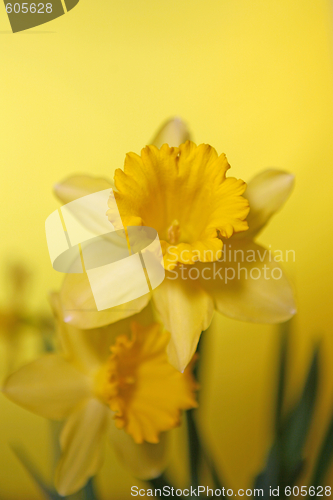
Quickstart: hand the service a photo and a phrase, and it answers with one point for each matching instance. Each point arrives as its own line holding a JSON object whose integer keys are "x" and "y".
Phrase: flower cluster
{"x": 125, "y": 373}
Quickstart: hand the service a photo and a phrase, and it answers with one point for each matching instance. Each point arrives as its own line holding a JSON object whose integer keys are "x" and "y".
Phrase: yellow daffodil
{"x": 182, "y": 191}
{"x": 113, "y": 383}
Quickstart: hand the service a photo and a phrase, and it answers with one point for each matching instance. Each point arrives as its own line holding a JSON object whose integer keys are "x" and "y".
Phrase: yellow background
{"x": 252, "y": 78}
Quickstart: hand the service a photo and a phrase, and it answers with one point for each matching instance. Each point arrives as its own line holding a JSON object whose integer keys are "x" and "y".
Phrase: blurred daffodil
{"x": 184, "y": 194}
{"x": 112, "y": 383}
{"x": 16, "y": 321}
{"x": 11, "y": 316}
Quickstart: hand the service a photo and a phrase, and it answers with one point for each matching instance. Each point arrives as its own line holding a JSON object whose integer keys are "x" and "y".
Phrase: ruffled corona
{"x": 144, "y": 391}
{"x": 184, "y": 194}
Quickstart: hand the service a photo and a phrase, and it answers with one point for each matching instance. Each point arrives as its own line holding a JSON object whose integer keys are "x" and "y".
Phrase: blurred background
{"x": 253, "y": 79}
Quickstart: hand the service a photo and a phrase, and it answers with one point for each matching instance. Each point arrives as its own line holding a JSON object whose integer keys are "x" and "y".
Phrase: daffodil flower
{"x": 113, "y": 383}
{"x": 182, "y": 191}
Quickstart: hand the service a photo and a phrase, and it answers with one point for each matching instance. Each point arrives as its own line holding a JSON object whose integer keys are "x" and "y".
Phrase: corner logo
{"x": 25, "y": 15}
{"x": 121, "y": 264}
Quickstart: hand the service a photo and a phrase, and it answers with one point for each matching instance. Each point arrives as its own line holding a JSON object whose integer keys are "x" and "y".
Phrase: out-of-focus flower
{"x": 110, "y": 383}
{"x": 173, "y": 132}
{"x": 11, "y": 315}
{"x": 184, "y": 195}
{"x": 16, "y": 320}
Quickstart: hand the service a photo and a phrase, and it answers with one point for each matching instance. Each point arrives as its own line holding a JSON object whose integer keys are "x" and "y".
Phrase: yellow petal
{"x": 77, "y": 186}
{"x": 267, "y": 193}
{"x": 79, "y": 307}
{"x": 185, "y": 310}
{"x": 50, "y": 387}
{"x": 145, "y": 461}
{"x": 82, "y": 443}
{"x": 173, "y": 132}
{"x": 265, "y": 296}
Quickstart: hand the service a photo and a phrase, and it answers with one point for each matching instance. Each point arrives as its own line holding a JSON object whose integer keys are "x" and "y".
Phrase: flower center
{"x": 116, "y": 382}
{"x": 174, "y": 232}
{"x": 139, "y": 385}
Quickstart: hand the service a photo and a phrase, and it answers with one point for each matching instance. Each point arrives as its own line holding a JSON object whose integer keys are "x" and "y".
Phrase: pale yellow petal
{"x": 79, "y": 307}
{"x": 185, "y": 310}
{"x": 255, "y": 291}
{"x": 76, "y": 186}
{"x": 80, "y": 347}
{"x": 89, "y": 349}
{"x": 145, "y": 461}
{"x": 267, "y": 193}
{"x": 89, "y": 214}
{"x": 50, "y": 387}
{"x": 82, "y": 443}
{"x": 173, "y": 132}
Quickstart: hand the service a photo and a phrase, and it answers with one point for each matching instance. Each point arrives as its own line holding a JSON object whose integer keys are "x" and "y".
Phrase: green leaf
{"x": 284, "y": 332}
{"x": 285, "y": 459}
{"x": 269, "y": 477}
{"x": 295, "y": 430}
{"x": 324, "y": 459}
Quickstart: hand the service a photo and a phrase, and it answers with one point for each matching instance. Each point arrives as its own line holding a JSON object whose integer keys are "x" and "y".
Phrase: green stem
{"x": 89, "y": 492}
{"x": 195, "y": 449}
{"x": 158, "y": 483}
